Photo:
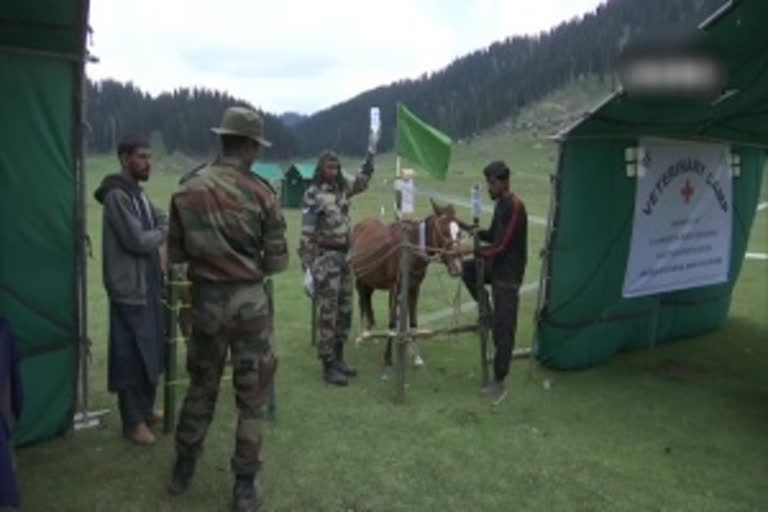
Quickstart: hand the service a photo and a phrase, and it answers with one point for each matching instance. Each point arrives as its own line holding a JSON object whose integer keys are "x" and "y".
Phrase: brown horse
{"x": 375, "y": 260}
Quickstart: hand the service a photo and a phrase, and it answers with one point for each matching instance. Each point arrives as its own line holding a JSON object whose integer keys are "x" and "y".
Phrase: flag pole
{"x": 402, "y": 288}
{"x": 397, "y": 153}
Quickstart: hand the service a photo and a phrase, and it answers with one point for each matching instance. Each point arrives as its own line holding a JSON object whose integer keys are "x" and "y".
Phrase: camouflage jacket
{"x": 325, "y": 217}
{"x": 226, "y": 224}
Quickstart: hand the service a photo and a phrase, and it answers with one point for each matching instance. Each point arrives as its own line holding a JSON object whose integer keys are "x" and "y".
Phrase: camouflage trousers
{"x": 238, "y": 318}
{"x": 333, "y": 289}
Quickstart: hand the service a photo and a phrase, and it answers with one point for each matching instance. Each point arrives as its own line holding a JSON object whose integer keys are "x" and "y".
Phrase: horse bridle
{"x": 441, "y": 238}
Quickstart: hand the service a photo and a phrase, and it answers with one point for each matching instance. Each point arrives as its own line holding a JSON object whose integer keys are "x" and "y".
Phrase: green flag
{"x": 422, "y": 144}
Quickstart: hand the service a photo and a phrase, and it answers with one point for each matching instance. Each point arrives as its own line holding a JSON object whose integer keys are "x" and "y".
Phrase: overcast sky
{"x": 301, "y": 55}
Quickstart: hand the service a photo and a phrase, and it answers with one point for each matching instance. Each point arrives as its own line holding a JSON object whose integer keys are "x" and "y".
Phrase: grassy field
{"x": 621, "y": 437}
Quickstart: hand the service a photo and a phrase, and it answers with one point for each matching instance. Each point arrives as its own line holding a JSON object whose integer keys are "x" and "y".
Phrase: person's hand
{"x": 373, "y": 141}
{"x": 368, "y": 164}
{"x": 461, "y": 250}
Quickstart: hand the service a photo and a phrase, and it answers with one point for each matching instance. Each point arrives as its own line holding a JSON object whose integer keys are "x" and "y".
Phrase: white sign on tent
{"x": 681, "y": 235}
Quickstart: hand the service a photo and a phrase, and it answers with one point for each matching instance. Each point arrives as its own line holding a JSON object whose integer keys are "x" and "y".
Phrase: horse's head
{"x": 444, "y": 233}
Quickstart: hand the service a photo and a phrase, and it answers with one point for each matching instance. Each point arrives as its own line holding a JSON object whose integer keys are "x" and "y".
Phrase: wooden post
{"x": 482, "y": 314}
{"x": 169, "y": 395}
{"x": 313, "y": 305}
{"x": 402, "y": 313}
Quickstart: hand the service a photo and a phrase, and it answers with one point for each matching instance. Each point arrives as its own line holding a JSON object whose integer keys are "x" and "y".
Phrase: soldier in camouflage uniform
{"x": 226, "y": 226}
{"x": 325, "y": 240}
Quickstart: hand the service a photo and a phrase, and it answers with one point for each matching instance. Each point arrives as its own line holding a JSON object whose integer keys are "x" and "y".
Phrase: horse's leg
{"x": 413, "y": 302}
{"x": 369, "y": 304}
{"x": 364, "y": 293}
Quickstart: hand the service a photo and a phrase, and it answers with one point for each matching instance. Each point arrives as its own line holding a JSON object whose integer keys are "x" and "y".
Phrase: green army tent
{"x": 272, "y": 173}
{"x": 297, "y": 179}
{"x": 583, "y": 317}
{"x": 42, "y": 217}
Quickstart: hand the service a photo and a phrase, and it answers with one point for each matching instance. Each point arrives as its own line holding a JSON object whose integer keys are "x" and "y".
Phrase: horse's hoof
{"x": 418, "y": 362}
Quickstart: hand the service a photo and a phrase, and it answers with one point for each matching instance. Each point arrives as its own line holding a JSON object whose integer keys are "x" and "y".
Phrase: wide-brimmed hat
{"x": 407, "y": 172}
{"x": 244, "y": 122}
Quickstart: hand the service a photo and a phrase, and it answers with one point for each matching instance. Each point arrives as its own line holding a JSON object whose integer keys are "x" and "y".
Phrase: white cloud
{"x": 300, "y": 55}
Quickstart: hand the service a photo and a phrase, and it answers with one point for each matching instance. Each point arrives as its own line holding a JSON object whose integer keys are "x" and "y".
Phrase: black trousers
{"x": 506, "y": 300}
{"x": 136, "y": 404}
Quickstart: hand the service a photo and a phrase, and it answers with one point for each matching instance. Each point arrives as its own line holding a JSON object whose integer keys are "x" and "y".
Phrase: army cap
{"x": 244, "y": 122}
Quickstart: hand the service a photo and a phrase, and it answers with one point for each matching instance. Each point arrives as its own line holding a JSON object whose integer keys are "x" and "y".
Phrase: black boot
{"x": 332, "y": 374}
{"x": 246, "y": 495}
{"x": 183, "y": 470}
{"x": 341, "y": 364}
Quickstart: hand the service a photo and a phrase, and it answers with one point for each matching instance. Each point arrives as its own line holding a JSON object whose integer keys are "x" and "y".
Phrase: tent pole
{"x": 83, "y": 418}
{"x": 77, "y": 59}
{"x": 482, "y": 313}
{"x": 546, "y": 254}
{"x": 83, "y": 277}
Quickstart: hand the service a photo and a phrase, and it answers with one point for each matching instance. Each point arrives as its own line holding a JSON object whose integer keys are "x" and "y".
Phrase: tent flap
{"x": 44, "y": 25}
{"x": 43, "y": 43}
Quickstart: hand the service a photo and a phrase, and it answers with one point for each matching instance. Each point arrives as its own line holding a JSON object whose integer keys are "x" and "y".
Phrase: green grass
{"x": 614, "y": 438}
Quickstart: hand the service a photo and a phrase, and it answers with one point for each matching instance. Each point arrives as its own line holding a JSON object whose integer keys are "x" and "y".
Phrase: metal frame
{"x": 565, "y": 132}
{"x": 689, "y": 138}
{"x": 48, "y": 55}
{"x": 718, "y": 14}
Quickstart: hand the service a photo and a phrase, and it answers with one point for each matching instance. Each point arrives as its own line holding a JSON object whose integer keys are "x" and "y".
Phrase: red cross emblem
{"x": 687, "y": 191}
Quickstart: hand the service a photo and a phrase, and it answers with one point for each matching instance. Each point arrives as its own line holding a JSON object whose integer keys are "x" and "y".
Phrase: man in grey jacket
{"x": 133, "y": 230}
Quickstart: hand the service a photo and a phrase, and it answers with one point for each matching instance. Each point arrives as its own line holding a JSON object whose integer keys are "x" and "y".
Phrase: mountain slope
{"x": 481, "y": 89}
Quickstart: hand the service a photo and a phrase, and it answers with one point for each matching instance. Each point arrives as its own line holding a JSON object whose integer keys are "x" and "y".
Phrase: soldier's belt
{"x": 333, "y": 246}
{"x": 226, "y": 281}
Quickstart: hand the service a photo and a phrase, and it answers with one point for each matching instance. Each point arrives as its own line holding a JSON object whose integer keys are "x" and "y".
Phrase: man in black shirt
{"x": 505, "y": 259}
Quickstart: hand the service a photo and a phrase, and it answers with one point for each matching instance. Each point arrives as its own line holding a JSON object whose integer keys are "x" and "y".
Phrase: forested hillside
{"x": 183, "y": 118}
{"x": 489, "y": 85}
{"x": 472, "y": 94}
